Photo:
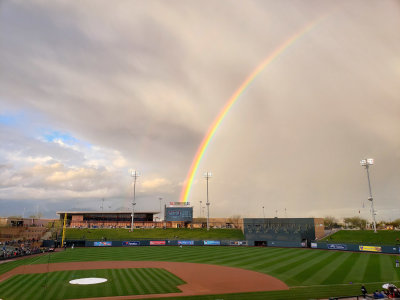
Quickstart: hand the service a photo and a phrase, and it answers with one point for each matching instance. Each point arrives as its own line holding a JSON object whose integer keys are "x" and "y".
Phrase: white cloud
{"x": 138, "y": 85}
{"x": 156, "y": 184}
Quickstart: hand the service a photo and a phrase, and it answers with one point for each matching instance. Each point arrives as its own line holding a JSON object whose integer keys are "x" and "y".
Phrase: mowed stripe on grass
{"x": 55, "y": 285}
{"x": 296, "y": 267}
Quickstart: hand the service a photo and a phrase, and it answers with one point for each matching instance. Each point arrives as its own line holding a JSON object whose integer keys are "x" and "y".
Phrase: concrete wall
{"x": 218, "y": 223}
{"x": 279, "y": 229}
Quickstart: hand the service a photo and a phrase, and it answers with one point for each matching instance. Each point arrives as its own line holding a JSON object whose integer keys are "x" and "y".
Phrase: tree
{"x": 330, "y": 222}
{"x": 395, "y": 223}
{"x": 235, "y": 221}
{"x": 356, "y": 222}
{"x": 57, "y": 224}
{"x": 39, "y": 215}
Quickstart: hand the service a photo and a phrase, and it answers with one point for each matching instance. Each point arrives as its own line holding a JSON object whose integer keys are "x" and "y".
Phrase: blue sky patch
{"x": 65, "y": 137}
{"x": 62, "y": 136}
{"x": 10, "y": 119}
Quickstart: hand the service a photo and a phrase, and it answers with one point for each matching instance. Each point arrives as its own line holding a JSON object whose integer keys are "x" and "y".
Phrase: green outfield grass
{"x": 55, "y": 285}
{"x": 310, "y": 273}
{"x": 119, "y": 234}
{"x": 366, "y": 237}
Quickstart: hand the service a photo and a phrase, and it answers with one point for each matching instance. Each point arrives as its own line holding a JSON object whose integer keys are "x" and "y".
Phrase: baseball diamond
{"x": 234, "y": 272}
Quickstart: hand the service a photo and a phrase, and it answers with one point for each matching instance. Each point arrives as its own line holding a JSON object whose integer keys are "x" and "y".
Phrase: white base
{"x": 91, "y": 280}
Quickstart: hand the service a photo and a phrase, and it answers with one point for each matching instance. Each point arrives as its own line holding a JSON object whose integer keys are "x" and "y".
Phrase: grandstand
{"x": 100, "y": 219}
{"x": 176, "y": 217}
{"x": 15, "y": 228}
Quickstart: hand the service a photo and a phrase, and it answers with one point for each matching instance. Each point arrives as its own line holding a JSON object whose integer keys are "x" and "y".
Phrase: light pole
{"x": 160, "y": 198}
{"x": 263, "y": 214}
{"x": 207, "y": 176}
{"x": 201, "y": 215}
{"x": 366, "y": 163}
{"x": 102, "y": 210}
{"x": 135, "y": 174}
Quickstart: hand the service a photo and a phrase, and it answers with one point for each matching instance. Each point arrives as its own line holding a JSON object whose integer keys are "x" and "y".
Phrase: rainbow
{"x": 217, "y": 121}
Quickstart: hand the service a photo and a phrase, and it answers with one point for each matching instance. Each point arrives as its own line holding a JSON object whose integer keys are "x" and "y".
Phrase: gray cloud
{"x": 141, "y": 82}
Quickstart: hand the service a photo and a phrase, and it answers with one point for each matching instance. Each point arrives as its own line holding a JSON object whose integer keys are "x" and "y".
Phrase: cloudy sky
{"x": 92, "y": 89}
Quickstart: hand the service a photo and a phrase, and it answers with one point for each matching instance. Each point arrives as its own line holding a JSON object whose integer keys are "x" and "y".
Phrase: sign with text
{"x": 212, "y": 243}
{"x": 179, "y": 214}
{"x": 314, "y": 245}
{"x": 238, "y": 243}
{"x": 187, "y": 243}
{"x": 157, "y": 243}
{"x": 370, "y": 248}
{"x": 337, "y": 247}
{"x": 179, "y": 203}
{"x": 102, "y": 244}
{"x": 131, "y": 243}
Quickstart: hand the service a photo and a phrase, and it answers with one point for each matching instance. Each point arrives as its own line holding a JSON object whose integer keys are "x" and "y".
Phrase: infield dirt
{"x": 201, "y": 279}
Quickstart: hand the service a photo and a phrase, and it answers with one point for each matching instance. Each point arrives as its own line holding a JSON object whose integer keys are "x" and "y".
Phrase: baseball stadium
{"x": 97, "y": 255}
{"x": 279, "y": 99}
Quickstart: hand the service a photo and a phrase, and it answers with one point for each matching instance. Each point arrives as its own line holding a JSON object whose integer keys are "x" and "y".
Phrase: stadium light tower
{"x": 366, "y": 163}
{"x": 160, "y": 198}
{"x": 207, "y": 176}
{"x": 135, "y": 174}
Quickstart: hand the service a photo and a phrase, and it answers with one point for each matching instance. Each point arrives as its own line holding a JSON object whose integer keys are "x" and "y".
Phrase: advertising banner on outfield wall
{"x": 337, "y": 246}
{"x": 370, "y": 248}
{"x": 212, "y": 243}
{"x": 131, "y": 243}
{"x": 314, "y": 245}
{"x": 102, "y": 244}
{"x": 157, "y": 243}
{"x": 186, "y": 243}
{"x": 238, "y": 243}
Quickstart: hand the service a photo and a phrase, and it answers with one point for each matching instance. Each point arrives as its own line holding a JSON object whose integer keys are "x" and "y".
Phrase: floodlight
{"x": 207, "y": 176}
{"x": 135, "y": 174}
{"x": 366, "y": 162}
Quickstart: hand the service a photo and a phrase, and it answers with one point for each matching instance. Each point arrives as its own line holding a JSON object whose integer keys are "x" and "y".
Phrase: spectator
{"x": 363, "y": 291}
{"x": 396, "y": 293}
{"x": 391, "y": 292}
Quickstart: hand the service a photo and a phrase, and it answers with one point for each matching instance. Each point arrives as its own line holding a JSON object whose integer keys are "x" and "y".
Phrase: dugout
{"x": 283, "y": 232}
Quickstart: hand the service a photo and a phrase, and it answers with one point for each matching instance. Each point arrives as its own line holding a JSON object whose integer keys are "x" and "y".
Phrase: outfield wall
{"x": 395, "y": 249}
{"x": 132, "y": 243}
{"x": 161, "y": 242}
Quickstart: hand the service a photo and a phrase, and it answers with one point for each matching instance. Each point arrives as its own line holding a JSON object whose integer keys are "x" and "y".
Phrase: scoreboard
{"x": 176, "y": 213}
